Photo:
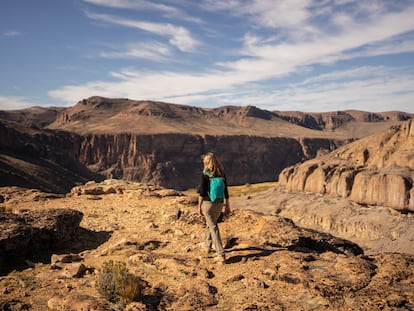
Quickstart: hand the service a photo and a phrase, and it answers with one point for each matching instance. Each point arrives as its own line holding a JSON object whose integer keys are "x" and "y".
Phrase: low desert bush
{"x": 117, "y": 284}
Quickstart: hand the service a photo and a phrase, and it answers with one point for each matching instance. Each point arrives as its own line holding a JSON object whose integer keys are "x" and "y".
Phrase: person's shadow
{"x": 254, "y": 252}
{"x": 303, "y": 244}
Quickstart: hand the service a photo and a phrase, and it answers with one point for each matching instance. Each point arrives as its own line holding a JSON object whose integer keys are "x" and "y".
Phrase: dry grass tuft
{"x": 251, "y": 188}
{"x": 116, "y": 284}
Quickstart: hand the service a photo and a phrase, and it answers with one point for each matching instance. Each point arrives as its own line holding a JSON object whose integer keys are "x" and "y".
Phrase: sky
{"x": 303, "y": 55}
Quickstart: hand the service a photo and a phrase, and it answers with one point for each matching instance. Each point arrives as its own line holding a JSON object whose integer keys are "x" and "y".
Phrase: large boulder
{"x": 35, "y": 231}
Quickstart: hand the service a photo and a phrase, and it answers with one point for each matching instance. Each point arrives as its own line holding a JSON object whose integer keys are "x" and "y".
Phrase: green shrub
{"x": 116, "y": 284}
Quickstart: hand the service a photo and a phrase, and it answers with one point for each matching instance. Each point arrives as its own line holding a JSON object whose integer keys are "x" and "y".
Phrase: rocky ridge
{"x": 272, "y": 263}
{"x": 336, "y": 119}
{"x": 375, "y": 170}
{"x": 100, "y": 115}
{"x": 376, "y": 229}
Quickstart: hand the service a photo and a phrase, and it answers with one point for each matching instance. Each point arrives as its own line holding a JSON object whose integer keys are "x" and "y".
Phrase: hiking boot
{"x": 221, "y": 259}
{"x": 210, "y": 252}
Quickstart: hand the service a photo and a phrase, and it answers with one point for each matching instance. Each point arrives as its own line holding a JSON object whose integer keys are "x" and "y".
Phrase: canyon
{"x": 55, "y": 148}
{"x": 113, "y": 181}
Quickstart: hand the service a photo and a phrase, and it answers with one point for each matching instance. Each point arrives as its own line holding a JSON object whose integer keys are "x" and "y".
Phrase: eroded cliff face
{"x": 41, "y": 159}
{"x": 376, "y": 170}
{"x": 335, "y": 119}
{"x": 55, "y": 161}
{"x": 174, "y": 160}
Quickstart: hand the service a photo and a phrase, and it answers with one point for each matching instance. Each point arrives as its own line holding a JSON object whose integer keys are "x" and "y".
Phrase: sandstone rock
{"x": 136, "y": 306}
{"x": 34, "y": 231}
{"x": 169, "y": 193}
{"x": 376, "y": 170}
{"x": 95, "y": 189}
{"x": 385, "y": 188}
{"x": 15, "y": 235}
{"x": 376, "y": 229}
{"x": 73, "y": 270}
{"x": 14, "y": 305}
{"x": 76, "y": 302}
{"x": 294, "y": 237}
{"x": 191, "y": 295}
{"x": 53, "y": 227}
{"x": 65, "y": 258}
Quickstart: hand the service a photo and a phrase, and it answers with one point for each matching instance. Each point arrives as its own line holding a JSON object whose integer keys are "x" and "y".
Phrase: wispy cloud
{"x": 11, "y": 33}
{"x": 167, "y": 11}
{"x": 369, "y": 88}
{"x": 153, "y": 51}
{"x": 285, "y": 38}
{"x": 150, "y": 85}
{"x": 328, "y": 47}
{"x": 366, "y": 88}
{"x": 14, "y": 102}
{"x": 178, "y": 36}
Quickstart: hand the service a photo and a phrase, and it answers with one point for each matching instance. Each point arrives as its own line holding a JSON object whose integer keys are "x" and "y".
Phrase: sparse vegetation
{"x": 117, "y": 284}
{"x": 251, "y": 188}
{"x": 242, "y": 189}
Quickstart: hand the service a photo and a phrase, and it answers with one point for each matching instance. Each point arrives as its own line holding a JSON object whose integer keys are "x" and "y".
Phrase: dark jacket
{"x": 204, "y": 189}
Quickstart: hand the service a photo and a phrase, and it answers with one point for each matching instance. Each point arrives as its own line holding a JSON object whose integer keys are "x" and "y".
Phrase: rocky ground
{"x": 376, "y": 229}
{"x": 272, "y": 264}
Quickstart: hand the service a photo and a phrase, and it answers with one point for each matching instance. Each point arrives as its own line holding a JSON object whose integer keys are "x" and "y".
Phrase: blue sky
{"x": 306, "y": 55}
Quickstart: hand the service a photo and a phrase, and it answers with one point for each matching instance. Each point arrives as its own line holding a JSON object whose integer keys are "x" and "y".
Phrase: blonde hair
{"x": 213, "y": 165}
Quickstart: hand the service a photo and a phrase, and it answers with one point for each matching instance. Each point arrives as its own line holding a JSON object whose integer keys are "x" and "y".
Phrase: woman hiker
{"x": 213, "y": 194}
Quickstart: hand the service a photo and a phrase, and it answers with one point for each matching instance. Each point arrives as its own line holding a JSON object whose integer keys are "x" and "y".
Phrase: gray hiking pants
{"x": 211, "y": 212}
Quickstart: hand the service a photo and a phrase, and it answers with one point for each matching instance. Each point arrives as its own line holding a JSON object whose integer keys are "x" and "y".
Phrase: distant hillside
{"x": 113, "y": 116}
{"x": 351, "y": 123}
{"x": 34, "y": 117}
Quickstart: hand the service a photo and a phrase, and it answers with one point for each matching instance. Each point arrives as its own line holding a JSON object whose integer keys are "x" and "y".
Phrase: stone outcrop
{"x": 375, "y": 229}
{"x": 34, "y": 231}
{"x": 376, "y": 170}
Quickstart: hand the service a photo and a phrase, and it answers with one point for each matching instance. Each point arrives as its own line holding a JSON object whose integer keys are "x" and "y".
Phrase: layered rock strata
{"x": 174, "y": 160}
{"x": 55, "y": 160}
{"x": 376, "y": 170}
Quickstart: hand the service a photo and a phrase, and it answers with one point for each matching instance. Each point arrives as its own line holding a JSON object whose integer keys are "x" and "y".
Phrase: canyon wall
{"x": 174, "y": 160}
{"x": 335, "y": 119}
{"x": 55, "y": 161}
{"x": 375, "y": 170}
{"x": 41, "y": 159}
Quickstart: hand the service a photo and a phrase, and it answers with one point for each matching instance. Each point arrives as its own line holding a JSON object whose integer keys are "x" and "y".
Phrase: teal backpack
{"x": 216, "y": 187}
